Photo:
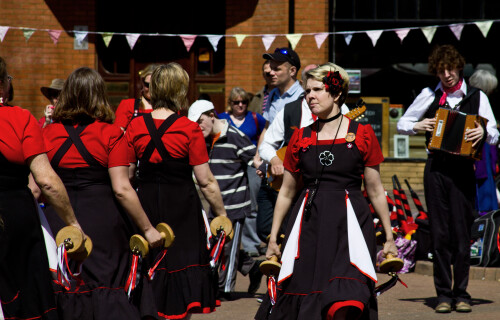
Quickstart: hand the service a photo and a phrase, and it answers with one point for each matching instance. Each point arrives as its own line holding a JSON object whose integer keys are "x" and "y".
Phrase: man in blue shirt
{"x": 285, "y": 65}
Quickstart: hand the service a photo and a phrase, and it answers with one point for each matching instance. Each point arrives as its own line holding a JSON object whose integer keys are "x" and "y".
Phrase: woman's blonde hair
{"x": 321, "y": 72}
{"x": 148, "y": 70}
{"x": 233, "y": 95}
{"x": 83, "y": 99}
{"x": 169, "y": 86}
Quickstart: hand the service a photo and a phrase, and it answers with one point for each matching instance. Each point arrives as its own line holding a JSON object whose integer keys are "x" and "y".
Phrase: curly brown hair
{"x": 445, "y": 57}
{"x": 83, "y": 99}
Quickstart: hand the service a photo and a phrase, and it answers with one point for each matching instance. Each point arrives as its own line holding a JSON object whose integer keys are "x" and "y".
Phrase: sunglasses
{"x": 146, "y": 84}
{"x": 237, "y": 102}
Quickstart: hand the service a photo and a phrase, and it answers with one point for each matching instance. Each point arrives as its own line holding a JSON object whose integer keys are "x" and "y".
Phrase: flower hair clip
{"x": 333, "y": 81}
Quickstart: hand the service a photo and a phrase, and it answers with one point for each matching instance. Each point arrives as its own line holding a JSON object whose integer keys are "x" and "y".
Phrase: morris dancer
{"x": 449, "y": 180}
{"x": 329, "y": 250}
{"x": 25, "y": 280}
{"x": 90, "y": 155}
{"x": 170, "y": 148}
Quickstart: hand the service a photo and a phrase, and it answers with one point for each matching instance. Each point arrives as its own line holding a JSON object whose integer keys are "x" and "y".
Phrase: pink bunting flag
{"x": 402, "y": 33}
{"x": 348, "y": 38}
{"x": 214, "y": 41}
{"x": 268, "y": 40}
{"x": 54, "y": 35}
{"x": 132, "y": 39}
{"x": 188, "y": 41}
{"x": 374, "y": 35}
{"x": 320, "y": 38}
{"x": 457, "y": 30}
{"x": 3, "y": 32}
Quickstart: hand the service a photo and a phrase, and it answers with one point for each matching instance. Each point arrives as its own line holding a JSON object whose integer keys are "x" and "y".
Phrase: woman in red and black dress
{"x": 329, "y": 251}
{"x": 128, "y": 109}
{"x": 25, "y": 280}
{"x": 90, "y": 156}
{"x": 169, "y": 148}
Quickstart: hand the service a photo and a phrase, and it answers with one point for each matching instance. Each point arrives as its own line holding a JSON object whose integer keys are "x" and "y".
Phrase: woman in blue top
{"x": 251, "y": 124}
{"x": 237, "y": 114}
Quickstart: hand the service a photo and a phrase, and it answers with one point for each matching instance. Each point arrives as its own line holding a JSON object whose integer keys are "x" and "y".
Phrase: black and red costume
{"x": 319, "y": 268}
{"x": 25, "y": 280}
{"x": 166, "y": 151}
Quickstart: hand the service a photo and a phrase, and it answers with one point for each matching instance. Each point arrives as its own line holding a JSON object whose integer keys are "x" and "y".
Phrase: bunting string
{"x": 484, "y": 27}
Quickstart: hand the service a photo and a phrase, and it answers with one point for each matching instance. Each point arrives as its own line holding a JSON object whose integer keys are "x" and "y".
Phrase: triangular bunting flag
{"x": 214, "y": 41}
{"x": 402, "y": 33}
{"x": 80, "y": 36}
{"x": 457, "y": 30}
{"x": 27, "y": 33}
{"x": 294, "y": 39}
{"x": 188, "y": 41}
{"x": 484, "y": 27}
{"x": 240, "y": 38}
{"x": 320, "y": 38}
{"x": 132, "y": 39}
{"x": 348, "y": 38}
{"x": 268, "y": 40}
{"x": 3, "y": 31}
{"x": 429, "y": 33}
{"x": 374, "y": 35}
{"x": 54, "y": 35}
{"x": 106, "y": 37}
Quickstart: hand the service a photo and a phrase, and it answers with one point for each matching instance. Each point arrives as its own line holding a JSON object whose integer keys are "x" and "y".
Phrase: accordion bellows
{"x": 449, "y": 133}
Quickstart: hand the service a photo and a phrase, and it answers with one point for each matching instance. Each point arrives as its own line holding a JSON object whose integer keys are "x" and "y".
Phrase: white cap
{"x": 199, "y": 107}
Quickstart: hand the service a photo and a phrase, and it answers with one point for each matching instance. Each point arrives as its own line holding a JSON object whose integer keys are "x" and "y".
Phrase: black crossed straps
{"x": 74, "y": 138}
{"x": 156, "y": 135}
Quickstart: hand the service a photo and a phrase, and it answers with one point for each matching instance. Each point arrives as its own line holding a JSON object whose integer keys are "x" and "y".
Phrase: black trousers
{"x": 449, "y": 192}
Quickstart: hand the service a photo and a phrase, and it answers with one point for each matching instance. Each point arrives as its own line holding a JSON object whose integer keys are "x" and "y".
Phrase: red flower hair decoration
{"x": 304, "y": 143}
{"x": 333, "y": 82}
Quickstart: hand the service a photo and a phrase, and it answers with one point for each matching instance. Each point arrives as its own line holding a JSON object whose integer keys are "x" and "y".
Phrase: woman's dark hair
{"x": 445, "y": 57}
{"x": 83, "y": 99}
{"x": 3, "y": 82}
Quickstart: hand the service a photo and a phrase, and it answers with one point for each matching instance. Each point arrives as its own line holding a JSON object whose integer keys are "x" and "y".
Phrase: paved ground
{"x": 415, "y": 302}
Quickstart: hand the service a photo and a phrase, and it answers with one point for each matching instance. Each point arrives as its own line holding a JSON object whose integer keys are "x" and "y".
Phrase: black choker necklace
{"x": 330, "y": 119}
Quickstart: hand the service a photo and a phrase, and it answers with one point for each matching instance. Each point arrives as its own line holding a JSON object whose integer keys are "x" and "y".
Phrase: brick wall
{"x": 243, "y": 64}
{"x": 35, "y": 63}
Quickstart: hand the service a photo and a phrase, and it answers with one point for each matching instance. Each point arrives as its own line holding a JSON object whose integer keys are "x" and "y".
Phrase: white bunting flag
{"x": 429, "y": 33}
{"x": 240, "y": 38}
{"x": 27, "y": 33}
{"x": 3, "y": 31}
{"x": 268, "y": 40}
{"x": 188, "y": 41}
{"x": 348, "y": 38}
{"x": 214, "y": 41}
{"x": 106, "y": 37}
{"x": 54, "y": 35}
{"x": 457, "y": 30}
{"x": 320, "y": 38}
{"x": 294, "y": 39}
{"x": 484, "y": 27}
{"x": 132, "y": 39}
{"x": 402, "y": 33}
{"x": 80, "y": 36}
{"x": 374, "y": 35}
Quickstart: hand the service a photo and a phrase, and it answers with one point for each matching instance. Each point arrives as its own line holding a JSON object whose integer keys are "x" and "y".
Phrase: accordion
{"x": 449, "y": 133}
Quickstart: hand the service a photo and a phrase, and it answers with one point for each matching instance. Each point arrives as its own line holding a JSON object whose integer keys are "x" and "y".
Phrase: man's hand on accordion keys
{"x": 475, "y": 135}
{"x": 426, "y": 124}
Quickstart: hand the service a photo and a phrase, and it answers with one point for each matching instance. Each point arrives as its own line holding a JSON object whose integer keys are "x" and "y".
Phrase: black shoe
{"x": 255, "y": 277}
{"x": 224, "y": 296}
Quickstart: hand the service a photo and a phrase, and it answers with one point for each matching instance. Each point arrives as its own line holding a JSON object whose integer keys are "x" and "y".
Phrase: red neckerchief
{"x": 447, "y": 91}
